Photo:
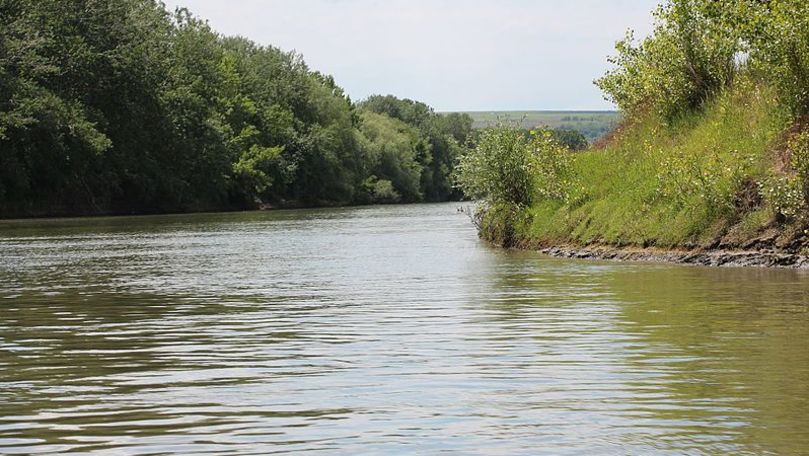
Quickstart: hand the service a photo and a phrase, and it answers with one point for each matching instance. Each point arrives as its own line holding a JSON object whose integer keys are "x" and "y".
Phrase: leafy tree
{"x": 440, "y": 147}
{"x": 572, "y": 139}
{"x": 390, "y": 153}
{"x": 506, "y": 167}
{"x": 688, "y": 58}
{"x": 165, "y": 114}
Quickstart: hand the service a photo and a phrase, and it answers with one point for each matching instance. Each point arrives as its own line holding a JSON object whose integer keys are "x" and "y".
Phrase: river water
{"x": 383, "y": 330}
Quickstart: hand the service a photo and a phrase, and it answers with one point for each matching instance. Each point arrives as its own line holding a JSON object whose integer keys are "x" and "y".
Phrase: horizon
{"x": 460, "y": 59}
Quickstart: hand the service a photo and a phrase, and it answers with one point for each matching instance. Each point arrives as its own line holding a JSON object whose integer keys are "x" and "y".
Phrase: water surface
{"x": 383, "y": 330}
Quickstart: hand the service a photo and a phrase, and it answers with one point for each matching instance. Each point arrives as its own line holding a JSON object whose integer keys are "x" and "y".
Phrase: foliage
{"x": 505, "y": 167}
{"x": 714, "y": 178}
{"x": 697, "y": 48}
{"x": 499, "y": 168}
{"x": 689, "y": 57}
{"x": 442, "y": 140}
{"x": 785, "y": 194}
{"x": 572, "y": 139}
{"x": 788, "y": 192}
{"x": 799, "y": 159}
{"x": 390, "y": 151}
{"x": 553, "y": 165}
{"x": 383, "y": 192}
{"x": 777, "y": 34}
{"x": 165, "y": 114}
{"x": 253, "y": 167}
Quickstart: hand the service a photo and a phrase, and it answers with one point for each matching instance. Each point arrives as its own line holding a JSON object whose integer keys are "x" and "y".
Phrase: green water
{"x": 384, "y": 330}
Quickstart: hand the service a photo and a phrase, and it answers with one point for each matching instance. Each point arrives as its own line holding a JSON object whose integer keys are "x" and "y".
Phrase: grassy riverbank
{"x": 686, "y": 184}
{"x": 702, "y": 181}
{"x": 713, "y": 152}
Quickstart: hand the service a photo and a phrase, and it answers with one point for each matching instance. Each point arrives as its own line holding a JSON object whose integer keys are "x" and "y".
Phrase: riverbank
{"x": 723, "y": 186}
{"x": 716, "y": 258}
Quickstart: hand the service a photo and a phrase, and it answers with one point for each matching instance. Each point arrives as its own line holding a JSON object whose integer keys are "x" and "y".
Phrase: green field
{"x": 592, "y": 124}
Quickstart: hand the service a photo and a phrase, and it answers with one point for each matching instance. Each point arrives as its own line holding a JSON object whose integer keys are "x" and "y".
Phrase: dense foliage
{"x": 121, "y": 106}
{"x": 714, "y": 146}
{"x": 441, "y": 140}
{"x": 690, "y": 56}
{"x": 698, "y": 48}
{"x": 508, "y": 166}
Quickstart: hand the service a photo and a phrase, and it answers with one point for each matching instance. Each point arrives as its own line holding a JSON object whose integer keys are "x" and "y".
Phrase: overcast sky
{"x": 452, "y": 54}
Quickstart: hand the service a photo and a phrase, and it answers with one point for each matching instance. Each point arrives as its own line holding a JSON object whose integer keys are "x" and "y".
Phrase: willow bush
{"x": 508, "y": 167}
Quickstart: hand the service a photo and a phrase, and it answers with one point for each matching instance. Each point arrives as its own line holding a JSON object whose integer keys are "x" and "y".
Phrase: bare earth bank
{"x": 726, "y": 258}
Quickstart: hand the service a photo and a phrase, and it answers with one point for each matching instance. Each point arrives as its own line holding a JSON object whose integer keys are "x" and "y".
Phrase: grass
{"x": 592, "y": 124}
{"x": 683, "y": 184}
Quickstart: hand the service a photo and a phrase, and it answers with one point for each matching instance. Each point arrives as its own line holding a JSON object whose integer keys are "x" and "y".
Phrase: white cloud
{"x": 452, "y": 54}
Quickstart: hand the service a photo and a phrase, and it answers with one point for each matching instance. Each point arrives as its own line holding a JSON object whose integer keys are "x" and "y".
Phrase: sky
{"x": 455, "y": 55}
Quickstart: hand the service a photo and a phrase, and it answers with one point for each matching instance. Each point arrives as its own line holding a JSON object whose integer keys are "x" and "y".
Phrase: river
{"x": 383, "y": 330}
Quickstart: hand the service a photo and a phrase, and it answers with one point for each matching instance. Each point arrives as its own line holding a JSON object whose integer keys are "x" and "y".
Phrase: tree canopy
{"x": 119, "y": 106}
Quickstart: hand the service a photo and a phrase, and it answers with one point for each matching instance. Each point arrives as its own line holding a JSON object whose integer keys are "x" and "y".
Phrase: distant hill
{"x": 592, "y": 124}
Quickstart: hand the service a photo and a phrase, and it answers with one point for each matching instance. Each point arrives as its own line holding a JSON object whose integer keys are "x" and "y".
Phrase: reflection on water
{"x": 383, "y": 330}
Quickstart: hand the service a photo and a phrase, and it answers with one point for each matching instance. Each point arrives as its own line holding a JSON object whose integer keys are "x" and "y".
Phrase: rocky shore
{"x": 724, "y": 258}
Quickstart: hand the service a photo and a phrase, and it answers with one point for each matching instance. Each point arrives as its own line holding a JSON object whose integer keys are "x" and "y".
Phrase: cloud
{"x": 452, "y": 54}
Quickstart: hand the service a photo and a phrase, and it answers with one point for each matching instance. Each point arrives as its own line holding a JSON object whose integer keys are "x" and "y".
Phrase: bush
{"x": 499, "y": 169}
{"x": 553, "y": 165}
{"x": 384, "y": 192}
{"x": 778, "y": 33}
{"x": 788, "y": 193}
{"x": 689, "y": 57}
{"x": 714, "y": 178}
{"x": 785, "y": 195}
{"x": 505, "y": 167}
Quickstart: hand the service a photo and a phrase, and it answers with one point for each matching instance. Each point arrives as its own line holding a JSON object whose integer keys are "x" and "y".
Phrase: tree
{"x": 439, "y": 149}
{"x": 390, "y": 153}
{"x": 572, "y": 139}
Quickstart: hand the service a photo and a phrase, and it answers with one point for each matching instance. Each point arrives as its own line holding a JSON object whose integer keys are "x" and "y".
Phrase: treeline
{"x": 118, "y": 106}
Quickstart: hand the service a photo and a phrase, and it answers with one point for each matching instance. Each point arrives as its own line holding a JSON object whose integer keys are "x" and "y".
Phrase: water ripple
{"x": 382, "y": 330}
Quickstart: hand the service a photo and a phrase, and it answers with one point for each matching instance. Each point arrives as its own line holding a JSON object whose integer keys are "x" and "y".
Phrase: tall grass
{"x": 669, "y": 183}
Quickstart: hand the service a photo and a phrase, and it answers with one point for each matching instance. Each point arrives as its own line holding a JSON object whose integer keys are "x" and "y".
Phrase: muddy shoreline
{"x": 716, "y": 258}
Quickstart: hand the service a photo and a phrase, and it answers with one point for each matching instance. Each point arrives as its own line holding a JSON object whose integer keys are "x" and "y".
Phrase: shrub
{"x": 499, "y": 169}
{"x": 799, "y": 159}
{"x": 714, "y": 178}
{"x": 553, "y": 165}
{"x": 788, "y": 193}
{"x": 507, "y": 167}
{"x": 785, "y": 194}
{"x": 383, "y": 192}
{"x": 778, "y": 33}
{"x": 690, "y": 56}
